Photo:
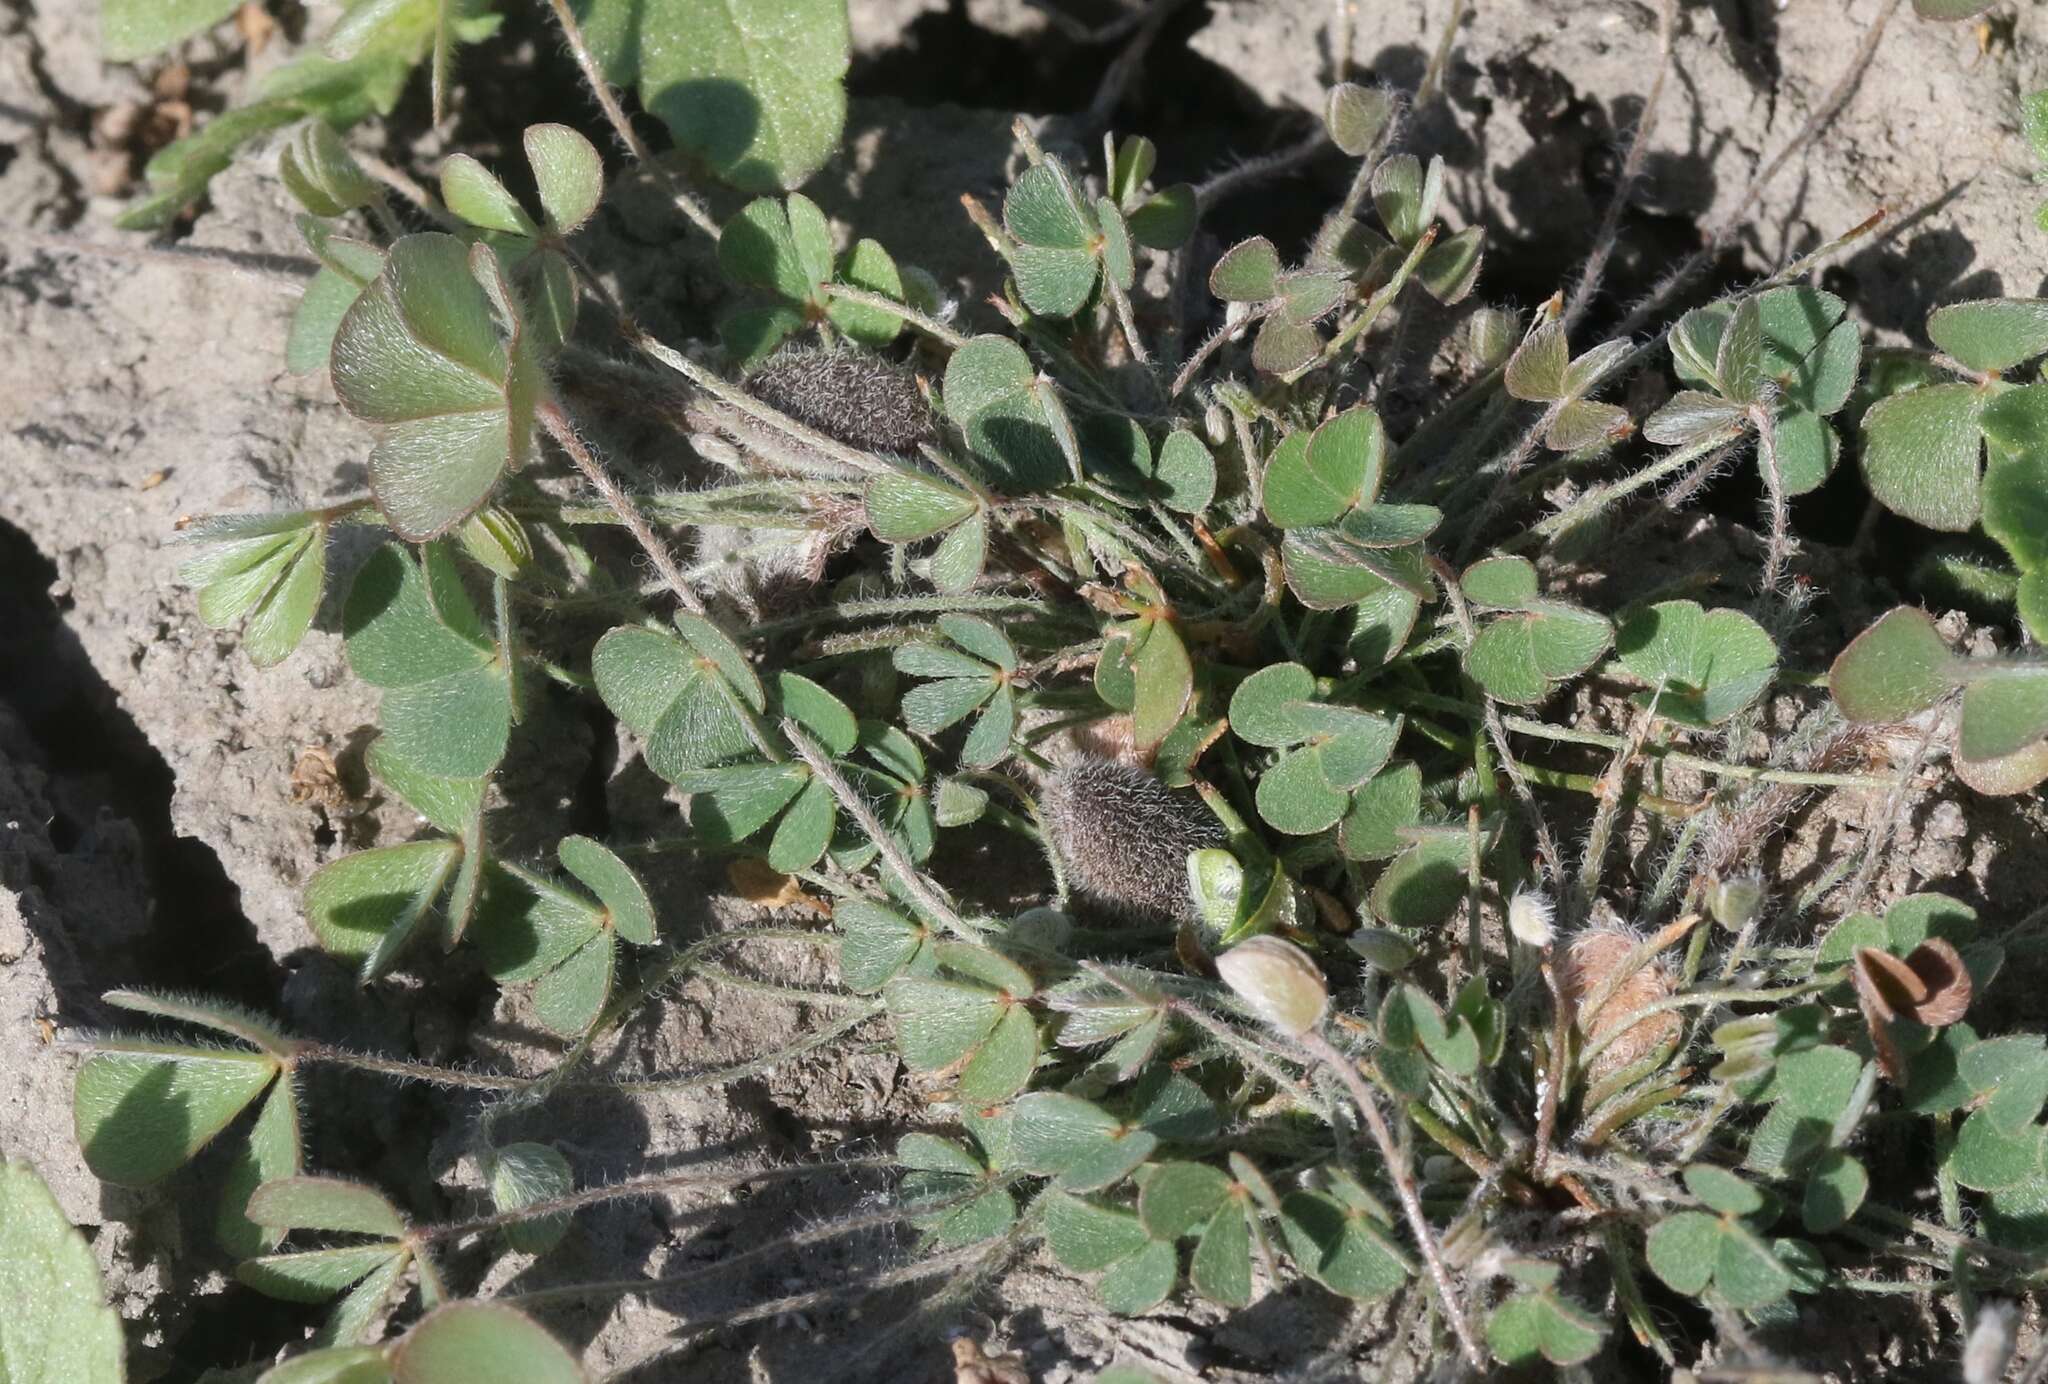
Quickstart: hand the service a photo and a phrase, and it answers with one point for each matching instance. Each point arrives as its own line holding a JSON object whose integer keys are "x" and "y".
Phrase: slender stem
{"x": 795, "y": 994}
{"x": 897, "y": 607}
{"x": 913, "y": 880}
{"x": 829, "y": 1230}
{"x": 932, "y": 1267}
{"x": 563, "y": 431}
{"x": 1594, "y": 501}
{"x": 1433, "y": 76}
{"x": 608, "y": 102}
{"x": 1475, "y": 887}
{"x": 1553, "y": 1079}
{"x": 408, "y": 1071}
{"x": 1125, "y": 319}
{"x": 721, "y": 1075}
{"x": 1779, "y": 550}
{"x": 1403, "y": 1178}
{"x": 1746, "y": 772}
{"x": 1546, "y": 844}
{"x": 1251, "y": 1052}
{"x": 1209, "y": 348}
{"x": 746, "y": 403}
{"x": 1235, "y": 179}
{"x": 930, "y": 326}
{"x": 1609, "y": 798}
{"x": 1369, "y": 313}
{"x": 1894, "y": 811}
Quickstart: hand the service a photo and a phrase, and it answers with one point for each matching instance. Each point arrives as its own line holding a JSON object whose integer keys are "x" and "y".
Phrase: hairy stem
{"x": 1403, "y": 1178}
{"x": 1779, "y": 551}
{"x": 608, "y": 102}
{"x": 817, "y": 1234}
{"x": 930, "y": 326}
{"x": 563, "y": 431}
{"x": 912, "y": 879}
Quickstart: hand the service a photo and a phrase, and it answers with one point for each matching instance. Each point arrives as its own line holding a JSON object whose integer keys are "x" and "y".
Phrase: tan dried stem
{"x": 1595, "y": 267}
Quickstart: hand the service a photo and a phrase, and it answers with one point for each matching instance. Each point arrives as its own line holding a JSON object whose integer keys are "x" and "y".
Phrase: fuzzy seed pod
{"x": 851, "y": 397}
{"x": 1593, "y": 957}
{"x": 1123, "y": 837}
{"x": 1278, "y": 980}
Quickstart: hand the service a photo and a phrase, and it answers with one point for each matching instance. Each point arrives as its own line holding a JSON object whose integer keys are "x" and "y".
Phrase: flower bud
{"x": 1279, "y": 981}
{"x": 1216, "y": 880}
{"x": 497, "y": 540}
{"x": 318, "y": 171}
{"x": 1530, "y": 918}
{"x": 1738, "y": 902}
{"x": 1491, "y": 334}
{"x": 1046, "y": 929}
{"x": 1383, "y": 949}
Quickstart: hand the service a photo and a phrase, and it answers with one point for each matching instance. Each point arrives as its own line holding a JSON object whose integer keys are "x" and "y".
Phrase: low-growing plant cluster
{"x": 1319, "y": 966}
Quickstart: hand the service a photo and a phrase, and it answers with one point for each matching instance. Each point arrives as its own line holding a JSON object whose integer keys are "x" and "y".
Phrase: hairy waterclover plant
{"x": 1261, "y": 681}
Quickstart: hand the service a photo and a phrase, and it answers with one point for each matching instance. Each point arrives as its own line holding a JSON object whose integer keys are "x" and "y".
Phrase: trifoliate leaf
{"x": 1703, "y": 666}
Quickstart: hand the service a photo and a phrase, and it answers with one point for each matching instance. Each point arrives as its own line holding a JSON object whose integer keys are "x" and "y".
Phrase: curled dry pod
{"x": 1930, "y": 987}
{"x": 1278, "y": 980}
{"x": 861, "y": 400}
{"x": 1595, "y": 957}
{"x": 1124, "y": 838}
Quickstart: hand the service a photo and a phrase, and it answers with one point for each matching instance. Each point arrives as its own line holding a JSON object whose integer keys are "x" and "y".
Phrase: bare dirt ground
{"x": 162, "y": 801}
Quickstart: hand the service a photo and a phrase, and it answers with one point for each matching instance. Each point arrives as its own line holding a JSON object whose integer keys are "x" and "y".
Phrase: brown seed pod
{"x": 1930, "y": 987}
{"x": 1123, "y": 837}
{"x": 1591, "y": 961}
